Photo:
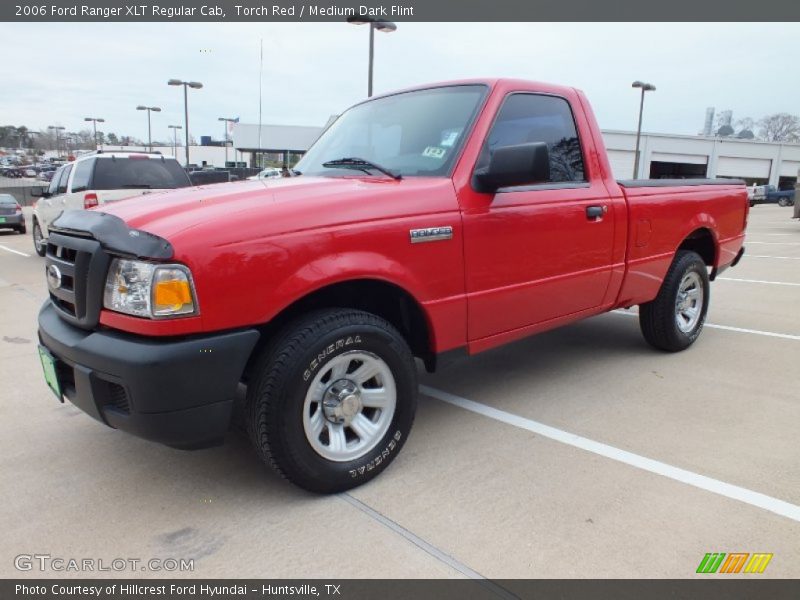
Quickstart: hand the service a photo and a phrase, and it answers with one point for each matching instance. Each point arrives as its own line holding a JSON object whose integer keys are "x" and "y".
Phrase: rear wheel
{"x": 331, "y": 401}
{"x": 674, "y": 320}
{"x": 38, "y": 239}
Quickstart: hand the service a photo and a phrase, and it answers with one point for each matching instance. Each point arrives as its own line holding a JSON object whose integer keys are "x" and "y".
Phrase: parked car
{"x": 95, "y": 179}
{"x": 756, "y": 194}
{"x": 12, "y": 172}
{"x": 780, "y": 197}
{"x": 482, "y": 212}
{"x": 268, "y": 173}
{"x": 11, "y": 216}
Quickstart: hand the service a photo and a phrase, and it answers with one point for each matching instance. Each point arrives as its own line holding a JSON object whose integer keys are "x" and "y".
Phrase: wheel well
{"x": 380, "y": 298}
{"x": 702, "y": 242}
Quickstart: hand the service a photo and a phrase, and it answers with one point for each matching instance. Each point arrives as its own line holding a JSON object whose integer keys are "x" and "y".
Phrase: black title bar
{"x": 399, "y": 10}
{"x": 710, "y": 588}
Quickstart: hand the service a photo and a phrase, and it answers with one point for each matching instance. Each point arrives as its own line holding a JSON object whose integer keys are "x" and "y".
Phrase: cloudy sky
{"x": 61, "y": 73}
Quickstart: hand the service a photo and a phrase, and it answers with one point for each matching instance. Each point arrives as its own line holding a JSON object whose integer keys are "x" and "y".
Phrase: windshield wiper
{"x": 145, "y": 186}
{"x": 361, "y": 165}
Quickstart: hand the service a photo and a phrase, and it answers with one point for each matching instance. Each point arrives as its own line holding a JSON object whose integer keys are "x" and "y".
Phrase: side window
{"x": 83, "y": 173}
{"x": 62, "y": 183}
{"x": 525, "y": 118}
{"x": 53, "y": 187}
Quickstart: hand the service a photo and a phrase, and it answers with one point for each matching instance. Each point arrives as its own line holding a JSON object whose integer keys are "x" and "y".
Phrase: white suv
{"x": 94, "y": 179}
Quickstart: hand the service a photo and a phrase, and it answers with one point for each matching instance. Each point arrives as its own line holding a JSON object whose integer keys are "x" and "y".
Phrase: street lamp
{"x": 186, "y": 84}
{"x": 95, "y": 121}
{"x": 149, "y": 109}
{"x": 645, "y": 87}
{"x": 57, "y": 129}
{"x": 175, "y": 139}
{"x": 383, "y": 27}
{"x": 227, "y": 120}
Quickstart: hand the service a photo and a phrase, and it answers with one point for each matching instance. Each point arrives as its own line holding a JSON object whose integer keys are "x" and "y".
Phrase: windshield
{"x": 413, "y": 133}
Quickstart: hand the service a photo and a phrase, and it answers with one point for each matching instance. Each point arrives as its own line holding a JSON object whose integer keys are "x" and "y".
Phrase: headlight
{"x": 149, "y": 290}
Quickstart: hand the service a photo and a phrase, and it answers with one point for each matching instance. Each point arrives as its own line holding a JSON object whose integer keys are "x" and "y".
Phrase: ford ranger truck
{"x": 449, "y": 218}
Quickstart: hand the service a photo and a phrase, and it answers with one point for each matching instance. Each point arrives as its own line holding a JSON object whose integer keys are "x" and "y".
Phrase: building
{"x": 665, "y": 156}
{"x": 276, "y": 143}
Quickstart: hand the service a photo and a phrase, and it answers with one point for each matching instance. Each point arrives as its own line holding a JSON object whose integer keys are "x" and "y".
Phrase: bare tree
{"x": 780, "y": 127}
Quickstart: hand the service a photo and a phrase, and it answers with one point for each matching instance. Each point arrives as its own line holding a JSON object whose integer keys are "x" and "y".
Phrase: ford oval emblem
{"x": 53, "y": 277}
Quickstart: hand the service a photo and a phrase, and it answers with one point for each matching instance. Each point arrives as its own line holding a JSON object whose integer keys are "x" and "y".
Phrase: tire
{"x": 22, "y": 230}
{"x": 38, "y": 239}
{"x": 783, "y": 202}
{"x": 668, "y": 325}
{"x": 320, "y": 440}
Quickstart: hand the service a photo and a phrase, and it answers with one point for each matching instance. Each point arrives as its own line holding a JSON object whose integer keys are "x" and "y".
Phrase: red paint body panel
{"x": 518, "y": 262}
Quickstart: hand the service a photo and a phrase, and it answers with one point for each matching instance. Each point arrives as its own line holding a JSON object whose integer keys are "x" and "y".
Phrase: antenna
{"x": 260, "y": 73}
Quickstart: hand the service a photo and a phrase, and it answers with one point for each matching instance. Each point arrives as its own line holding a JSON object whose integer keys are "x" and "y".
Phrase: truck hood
{"x": 251, "y": 210}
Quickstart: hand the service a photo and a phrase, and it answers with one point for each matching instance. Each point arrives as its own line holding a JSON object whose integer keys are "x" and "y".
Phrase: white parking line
{"x": 785, "y": 336}
{"x": 779, "y": 257}
{"x": 7, "y": 249}
{"x": 776, "y": 243}
{"x": 715, "y": 486}
{"x": 755, "y": 281}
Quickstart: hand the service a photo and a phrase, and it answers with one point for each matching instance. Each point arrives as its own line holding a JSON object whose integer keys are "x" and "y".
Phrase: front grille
{"x": 76, "y": 269}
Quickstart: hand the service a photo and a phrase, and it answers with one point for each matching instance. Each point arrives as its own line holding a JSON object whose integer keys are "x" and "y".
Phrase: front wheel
{"x": 331, "y": 401}
{"x": 38, "y": 239}
{"x": 674, "y": 320}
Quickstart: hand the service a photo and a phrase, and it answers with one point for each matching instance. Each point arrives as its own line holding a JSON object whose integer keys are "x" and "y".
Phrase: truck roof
{"x": 502, "y": 82}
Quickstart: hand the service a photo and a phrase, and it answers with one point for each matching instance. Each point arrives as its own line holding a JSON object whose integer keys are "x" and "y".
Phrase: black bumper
{"x": 178, "y": 392}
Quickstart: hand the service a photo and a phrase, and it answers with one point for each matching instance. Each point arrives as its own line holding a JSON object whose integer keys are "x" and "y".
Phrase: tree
{"x": 780, "y": 127}
{"x": 113, "y": 140}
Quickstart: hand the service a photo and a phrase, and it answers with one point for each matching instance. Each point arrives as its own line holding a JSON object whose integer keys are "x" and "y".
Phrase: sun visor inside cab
{"x": 113, "y": 234}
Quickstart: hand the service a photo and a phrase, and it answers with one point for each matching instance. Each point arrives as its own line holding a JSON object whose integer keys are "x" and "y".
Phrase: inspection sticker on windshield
{"x": 449, "y": 137}
{"x": 434, "y": 152}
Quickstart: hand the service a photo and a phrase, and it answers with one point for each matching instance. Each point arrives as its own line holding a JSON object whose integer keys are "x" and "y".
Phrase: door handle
{"x": 596, "y": 212}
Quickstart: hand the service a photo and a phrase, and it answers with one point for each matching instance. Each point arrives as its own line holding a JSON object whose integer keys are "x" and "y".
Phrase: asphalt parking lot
{"x": 579, "y": 453}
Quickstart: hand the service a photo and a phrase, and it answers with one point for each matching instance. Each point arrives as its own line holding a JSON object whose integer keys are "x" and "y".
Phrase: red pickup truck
{"x": 448, "y": 218}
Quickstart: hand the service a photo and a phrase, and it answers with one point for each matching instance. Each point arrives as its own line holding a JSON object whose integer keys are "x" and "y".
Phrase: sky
{"x": 57, "y": 74}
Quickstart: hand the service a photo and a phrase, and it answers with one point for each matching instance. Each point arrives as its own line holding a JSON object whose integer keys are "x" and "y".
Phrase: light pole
{"x": 57, "y": 128}
{"x": 383, "y": 27}
{"x": 186, "y": 84}
{"x": 149, "y": 109}
{"x": 95, "y": 121}
{"x": 645, "y": 87}
{"x": 175, "y": 139}
{"x": 227, "y": 121}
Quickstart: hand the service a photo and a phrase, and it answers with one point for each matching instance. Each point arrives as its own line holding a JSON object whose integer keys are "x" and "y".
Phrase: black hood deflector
{"x": 113, "y": 234}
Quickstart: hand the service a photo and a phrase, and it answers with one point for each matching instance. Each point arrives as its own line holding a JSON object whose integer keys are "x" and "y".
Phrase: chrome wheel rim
{"x": 37, "y": 237}
{"x": 349, "y": 406}
{"x": 689, "y": 302}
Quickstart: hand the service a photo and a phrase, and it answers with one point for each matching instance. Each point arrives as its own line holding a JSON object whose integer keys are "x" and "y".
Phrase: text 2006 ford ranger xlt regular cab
{"x": 451, "y": 217}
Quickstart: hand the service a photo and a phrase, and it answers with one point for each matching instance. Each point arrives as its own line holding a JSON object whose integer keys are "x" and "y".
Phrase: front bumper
{"x": 177, "y": 392}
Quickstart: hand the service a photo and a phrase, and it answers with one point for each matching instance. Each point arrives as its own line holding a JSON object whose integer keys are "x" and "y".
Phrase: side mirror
{"x": 514, "y": 165}
{"x": 38, "y": 192}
